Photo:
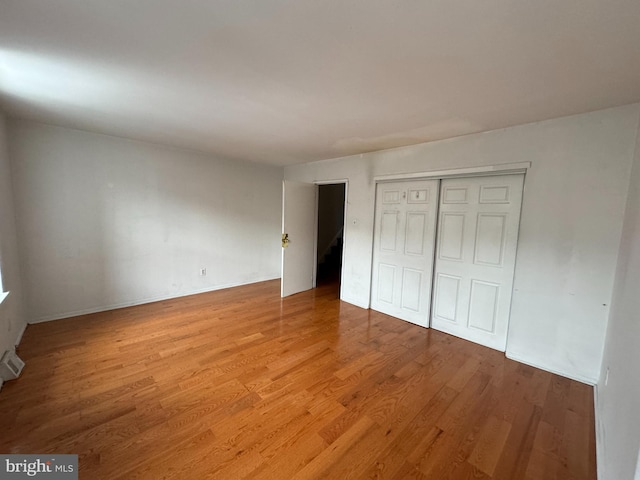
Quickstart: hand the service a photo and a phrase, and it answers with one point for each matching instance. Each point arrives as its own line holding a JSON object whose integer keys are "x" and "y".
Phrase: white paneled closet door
{"x": 475, "y": 257}
{"x": 404, "y": 242}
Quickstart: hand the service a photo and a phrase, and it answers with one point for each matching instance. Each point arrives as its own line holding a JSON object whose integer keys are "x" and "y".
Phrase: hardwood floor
{"x": 241, "y": 384}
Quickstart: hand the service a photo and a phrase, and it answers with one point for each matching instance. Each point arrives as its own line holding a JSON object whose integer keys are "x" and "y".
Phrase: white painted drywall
{"x": 106, "y": 222}
{"x": 12, "y": 318}
{"x": 617, "y": 401}
{"x": 572, "y": 213}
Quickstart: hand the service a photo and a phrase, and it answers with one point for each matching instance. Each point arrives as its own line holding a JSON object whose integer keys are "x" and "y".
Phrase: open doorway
{"x": 330, "y": 237}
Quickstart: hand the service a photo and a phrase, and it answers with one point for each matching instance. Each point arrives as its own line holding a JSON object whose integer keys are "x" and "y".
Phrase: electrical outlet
{"x": 203, "y": 272}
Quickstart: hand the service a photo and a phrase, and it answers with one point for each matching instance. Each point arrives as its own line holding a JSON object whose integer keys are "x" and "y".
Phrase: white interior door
{"x": 403, "y": 249}
{"x": 299, "y": 224}
{"x": 475, "y": 257}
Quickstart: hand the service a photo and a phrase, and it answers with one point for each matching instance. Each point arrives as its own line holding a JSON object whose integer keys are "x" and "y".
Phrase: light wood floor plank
{"x": 239, "y": 383}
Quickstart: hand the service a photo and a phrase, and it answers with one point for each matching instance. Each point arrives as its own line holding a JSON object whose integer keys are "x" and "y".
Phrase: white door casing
{"x": 299, "y": 223}
{"x": 475, "y": 257}
{"x": 403, "y": 249}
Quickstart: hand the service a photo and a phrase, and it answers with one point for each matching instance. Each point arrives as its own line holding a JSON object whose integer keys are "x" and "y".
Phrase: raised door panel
{"x": 390, "y": 196}
{"x": 415, "y": 241}
{"x": 389, "y": 231}
{"x": 494, "y": 193}
{"x": 386, "y": 283}
{"x": 490, "y": 237}
{"x": 418, "y": 195}
{"x": 411, "y": 289}
{"x": 455, "y": 194}
{"x": 451, "y": 240}
{"x": 483, "y": 306}
{"x": 447, "y": 289}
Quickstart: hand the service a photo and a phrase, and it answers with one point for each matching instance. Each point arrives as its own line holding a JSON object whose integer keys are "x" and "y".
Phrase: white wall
{"x": 571, "y": 224}
{"x": 12, "y": 318}
{"x": 106, "y": 222}
{"x": 618, "y": 400}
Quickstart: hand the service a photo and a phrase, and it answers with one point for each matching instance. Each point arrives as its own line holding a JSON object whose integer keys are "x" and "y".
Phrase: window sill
{"x": 3, "y": 295}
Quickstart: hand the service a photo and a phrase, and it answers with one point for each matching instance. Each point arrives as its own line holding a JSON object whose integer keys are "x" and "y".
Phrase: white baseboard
{"x": 19, "y": 339}
{"x": 577, "y": 378}
{"x": 114, "y": 306}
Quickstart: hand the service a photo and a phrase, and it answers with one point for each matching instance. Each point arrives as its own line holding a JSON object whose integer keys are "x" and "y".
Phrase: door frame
{"x": 344, "y": 181}
{"x": 465, "y": 172}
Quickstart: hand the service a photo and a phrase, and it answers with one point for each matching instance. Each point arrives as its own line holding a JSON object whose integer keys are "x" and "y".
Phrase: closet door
{"x": 475, "y": 257}
{"x": 404, "y": 241}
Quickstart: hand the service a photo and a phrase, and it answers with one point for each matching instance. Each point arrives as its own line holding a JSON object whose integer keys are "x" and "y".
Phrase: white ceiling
{"x": 286, "y": 81}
